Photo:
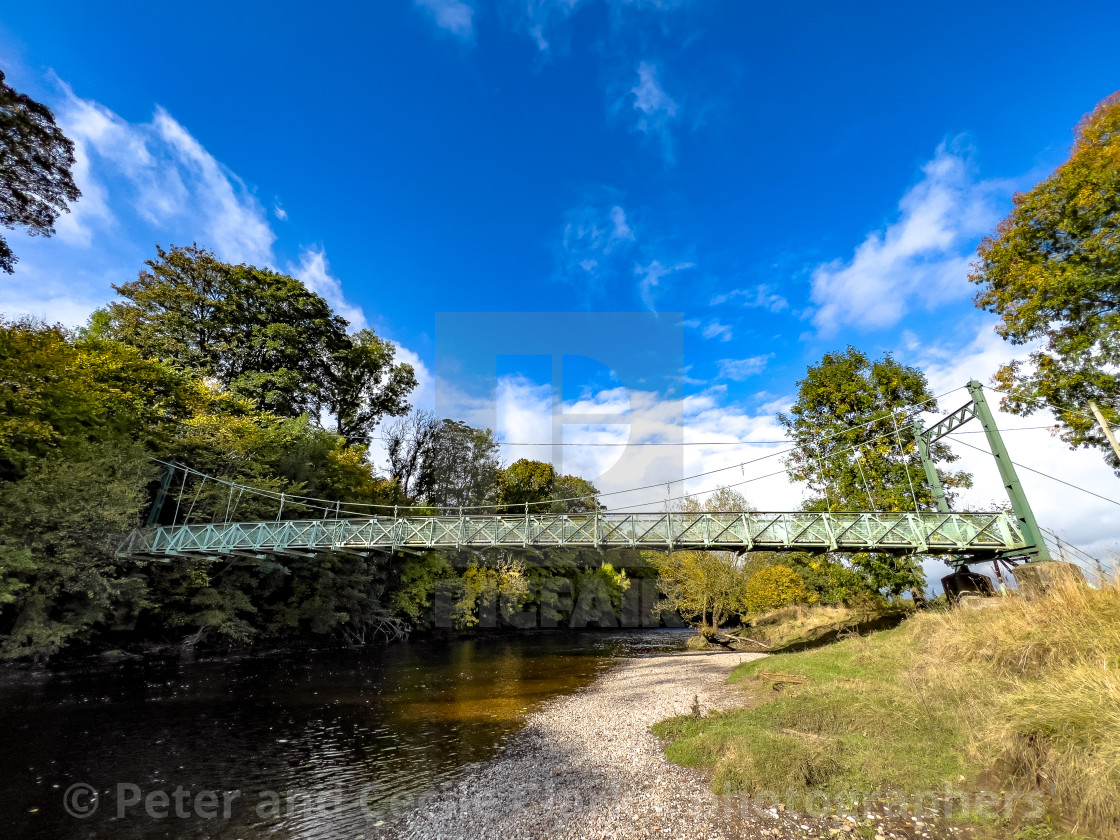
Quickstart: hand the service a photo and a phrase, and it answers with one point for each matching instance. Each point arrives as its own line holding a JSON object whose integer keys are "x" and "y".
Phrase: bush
{"x": 774, "y": 587}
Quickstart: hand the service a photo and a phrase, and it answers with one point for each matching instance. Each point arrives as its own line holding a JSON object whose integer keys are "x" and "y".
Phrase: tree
{"x": 57, "y": 395}
{"x": 854, "y": 445}
{"x": 405, "y": 442}
{"x": 536, "y": 482}
{"x": 35, "y": 161}
{"x": 773, "y": 587}
{"x": 365, "y": 385}
{"x": 459, "y": 467}
{"x": 525, "y": 482}
{"x": 262, "y": 335}
{"x": 852, "y": 437}
{"x": 1051, "y": 272}
{"x": 572, "y": 494}
{"x": 708, "y": 586}
{"x": 59, "y": 528}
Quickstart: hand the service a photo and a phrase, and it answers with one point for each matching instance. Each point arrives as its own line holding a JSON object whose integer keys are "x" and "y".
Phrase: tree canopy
{"x": 1051, "y": 272}
{"x": 262, "y": 335}
{"x": 854, "y": 445}
{"x": 708, "y": 586}
{"x": 537, "y": 483}
{"x": 459, "y": 466}
{"x": 36, "y": 184}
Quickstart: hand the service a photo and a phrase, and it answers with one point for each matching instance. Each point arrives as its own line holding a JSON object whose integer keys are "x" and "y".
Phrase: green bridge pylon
{"x": 1036, "y": 549}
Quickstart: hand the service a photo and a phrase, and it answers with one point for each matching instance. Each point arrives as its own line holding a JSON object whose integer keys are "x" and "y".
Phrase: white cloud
{"x": 315, "y": 272}
{"x": 760, "y": 297}
{"x": 920, "y": 259}
{"x": 234, "y": 220}
{"x": 655, "y": 111}
{"x": 143, "y": 183}
{"x": 714, "y": 329}
{"x": 167, "y": 178}
{"x": 454, "y": 16}
{"x": 279, "y": 212}
{"x": 740, "y": 369}
{"x": 650, "y": 277}
{"x": 595, "y": 238}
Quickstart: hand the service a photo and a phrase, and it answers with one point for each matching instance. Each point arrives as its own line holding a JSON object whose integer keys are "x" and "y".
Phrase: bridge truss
{"x": 959, "y": 537}
{"x": 962, "y": 536}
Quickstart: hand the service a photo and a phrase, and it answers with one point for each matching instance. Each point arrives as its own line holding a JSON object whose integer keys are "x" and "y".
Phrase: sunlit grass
{"x": 1025, "y": 692}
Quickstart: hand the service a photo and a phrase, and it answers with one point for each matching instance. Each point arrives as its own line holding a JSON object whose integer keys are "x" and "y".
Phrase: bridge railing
{"x": 978, "y": 534}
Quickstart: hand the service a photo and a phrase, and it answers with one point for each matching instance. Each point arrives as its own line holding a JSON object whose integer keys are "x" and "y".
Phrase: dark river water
{"x": 330, "y": 744}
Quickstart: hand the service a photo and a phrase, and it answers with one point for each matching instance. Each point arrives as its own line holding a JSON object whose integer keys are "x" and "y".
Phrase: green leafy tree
{"x": 459, "y": 466}
{"x": 853, "y": 444}
{"x": 35, "y": 160}
{"x": 829, "y": 581}
{"x": 572, "y": 494}
{"x": 261, "y": 335}
{"x": 537, "y": 483}
{"x": 58, "y": 395}
{"x": 525, "y": 482}
{"x": 1051, "y": 272}
{"x": 59, "y": 579}
{"x": 365, "y": 385}
{"x": 79, "y": 417}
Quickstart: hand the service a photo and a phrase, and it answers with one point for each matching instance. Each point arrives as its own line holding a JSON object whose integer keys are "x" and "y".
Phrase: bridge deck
{"x": 976, "y": 534}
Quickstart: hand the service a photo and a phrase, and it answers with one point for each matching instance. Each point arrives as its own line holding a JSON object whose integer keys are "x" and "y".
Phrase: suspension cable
{"x": 905, "y": 462}
{"x": 310, "y": 502}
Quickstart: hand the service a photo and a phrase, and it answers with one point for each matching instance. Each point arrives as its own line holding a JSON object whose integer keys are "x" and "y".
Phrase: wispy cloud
{"x": 714, "y": 329}
{"x": 650, "y": 277}
{"x": 540, "y": 20}
{"x": 760, "y": 296}
{"x": 315, "y": 272}
{"x": 143, "y": 183}
{"x": 596, "y": 240}
{"x": 453, "y": 16}
{"x": 235, "y": 224}
{"x": 740, "y": 369}
{"x": 167, "y": 177}
{"x": 655, "y": 111}
{"x": 921, "y": 259}
{"x": 600, "y": 247}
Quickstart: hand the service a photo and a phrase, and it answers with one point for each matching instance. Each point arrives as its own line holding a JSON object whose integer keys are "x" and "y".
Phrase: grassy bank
{"x": 1021, "y": 696}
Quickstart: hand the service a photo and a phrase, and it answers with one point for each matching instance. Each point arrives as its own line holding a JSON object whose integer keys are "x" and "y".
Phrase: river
{"x": 327, "y": 744}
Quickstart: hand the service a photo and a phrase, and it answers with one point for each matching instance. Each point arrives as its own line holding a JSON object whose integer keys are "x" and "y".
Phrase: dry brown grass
{"x": 1020, "y": 694}
{"x": 790, "y": 625}
{"x": 1037, "y": 682}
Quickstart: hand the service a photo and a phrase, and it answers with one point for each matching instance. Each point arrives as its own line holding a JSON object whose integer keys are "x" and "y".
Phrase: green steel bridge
{"x": 973, "y": 535}
{"x": 959, "y": 537}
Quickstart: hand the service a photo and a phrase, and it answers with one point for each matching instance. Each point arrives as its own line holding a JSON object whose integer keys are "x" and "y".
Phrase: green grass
{"x": 1021, "y": 696}
{"x": 841, "y": 725}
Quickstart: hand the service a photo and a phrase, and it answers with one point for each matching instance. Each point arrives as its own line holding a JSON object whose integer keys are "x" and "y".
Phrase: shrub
{"x": 773, "y": 587}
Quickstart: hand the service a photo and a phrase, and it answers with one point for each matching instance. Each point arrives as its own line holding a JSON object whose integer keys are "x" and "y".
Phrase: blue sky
{"x": 790, "y": 178}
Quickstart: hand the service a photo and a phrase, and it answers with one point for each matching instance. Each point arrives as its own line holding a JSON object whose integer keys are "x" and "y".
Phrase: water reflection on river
{"x": 314, "y": 744}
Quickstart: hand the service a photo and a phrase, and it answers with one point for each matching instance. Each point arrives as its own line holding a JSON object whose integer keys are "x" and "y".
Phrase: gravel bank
{"x": 587, "y": 766}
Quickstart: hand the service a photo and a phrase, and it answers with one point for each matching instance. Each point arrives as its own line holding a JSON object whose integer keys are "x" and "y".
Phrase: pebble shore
{"x": 587, "y": 766}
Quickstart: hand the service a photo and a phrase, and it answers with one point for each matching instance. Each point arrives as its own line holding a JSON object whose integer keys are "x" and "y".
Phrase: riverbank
{"x": 586, "y": 764}
{"x": 1000, "y": 721}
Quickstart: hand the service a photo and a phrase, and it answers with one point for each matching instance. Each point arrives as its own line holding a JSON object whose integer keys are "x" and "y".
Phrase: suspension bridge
{"x": 961, "y": 537}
